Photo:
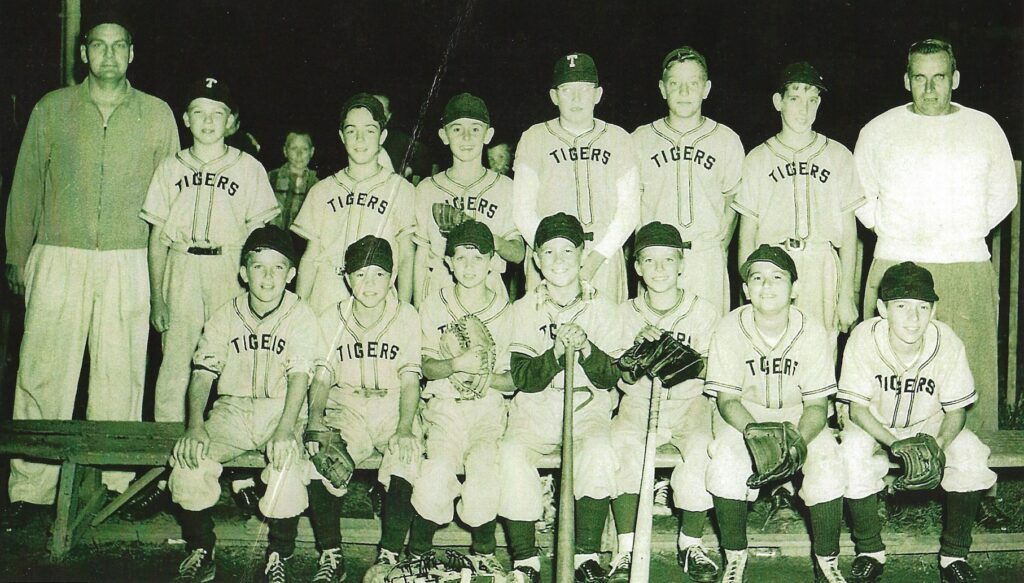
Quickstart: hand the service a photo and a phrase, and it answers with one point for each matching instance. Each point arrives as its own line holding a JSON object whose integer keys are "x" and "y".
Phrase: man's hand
{"x": 192, "y": 447}
{"x": 471, "y": 361}
{"x": 847, "y": 314}
{"x": 591, "y": 264}
{"x": 15, "y": 279}
{"x": 159, "y": 315}
{"x": 282, "y": 448}
{"x": 404, "y": 444}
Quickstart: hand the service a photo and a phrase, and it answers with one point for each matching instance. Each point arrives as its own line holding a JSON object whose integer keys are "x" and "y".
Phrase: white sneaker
{"x": 618, "y": 570}
{"x": 661, "y": 491}
{"x": 827, "y": 570}
{"x": 486, "y": 564}
{"x": 735, "y": 566}
{"x": 381, "y": 568}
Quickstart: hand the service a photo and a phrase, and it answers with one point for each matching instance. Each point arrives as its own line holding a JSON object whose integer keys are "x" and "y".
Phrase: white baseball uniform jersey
{"x": 339, "y": 211}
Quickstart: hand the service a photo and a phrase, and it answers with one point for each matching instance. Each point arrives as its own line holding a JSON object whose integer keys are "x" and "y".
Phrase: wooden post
{"x": 1013, "y": 322}
{"x": 70, "y": 23}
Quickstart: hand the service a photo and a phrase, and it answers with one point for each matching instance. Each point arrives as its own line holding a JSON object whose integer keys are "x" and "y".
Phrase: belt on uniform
{"x": 203, "y": 250}
{"x": 802, "y": 244}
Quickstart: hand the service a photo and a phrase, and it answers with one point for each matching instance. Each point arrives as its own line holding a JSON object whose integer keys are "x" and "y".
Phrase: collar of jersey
{"x": 880, "y": 332}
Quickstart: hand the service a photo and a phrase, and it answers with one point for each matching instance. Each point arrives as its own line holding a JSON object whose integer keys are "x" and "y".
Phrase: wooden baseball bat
{"x": 640, "y": 569}
{"x": 566, "y": 500}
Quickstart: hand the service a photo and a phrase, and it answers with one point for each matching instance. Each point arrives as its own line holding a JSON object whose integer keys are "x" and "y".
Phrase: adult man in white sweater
{"x": 938, "y": 177}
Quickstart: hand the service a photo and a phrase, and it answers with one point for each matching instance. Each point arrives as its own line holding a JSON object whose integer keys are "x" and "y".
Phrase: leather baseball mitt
{"x": 777, "y": 449}
{"x": 666, "y": 358}
{"x": 459, "y": 336}
{"x": 923, "y": 462}
{"x": 447, "y": 217}
{"x": 332, "y": 459}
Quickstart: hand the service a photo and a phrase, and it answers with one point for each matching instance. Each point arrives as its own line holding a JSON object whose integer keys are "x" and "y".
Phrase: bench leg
{"x": 136, "y": 487}
{"x": 79, "y": 493}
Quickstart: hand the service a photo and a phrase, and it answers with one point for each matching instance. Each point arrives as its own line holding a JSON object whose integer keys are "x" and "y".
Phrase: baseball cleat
{"x": 618, "y": 571}
{"x": 198, "y": 567}
{"x": 146, "y": 504}
{"x": 826, "y": 570}
{"x": 735, "y": 567}
{"x": 697, "y": 564}
{"x": 330, "y": 567}
{"x": 865, "y": 569}
{"x": 378, "y": 571}
{"x": 275, "y": 571}
{"x": 958, "y": 572}
{"x": 486, "y": 564}
{"x": 591, "y": 572}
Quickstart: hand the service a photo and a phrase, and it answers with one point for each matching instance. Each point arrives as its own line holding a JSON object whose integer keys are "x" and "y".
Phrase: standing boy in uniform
{"x": 906, "y": 374}
{"x": 769, "y": 362}
{"x": 476, "y": 192}
{"x": 685, "y": 419}
{"x": 259, "y": 347}
{"x": 582, "y": 166}
{"x": 462, "y": 427}
{"x": 552, "y": 322}
{"x": 690, "y": 170}
{"x": 799, "y": 191}
{"x": 367, "y": 387}
{"x": 361, "y": 199}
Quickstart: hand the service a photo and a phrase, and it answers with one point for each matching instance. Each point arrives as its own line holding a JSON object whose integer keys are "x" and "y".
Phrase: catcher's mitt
{"x": 666, "y": 358}
{"x": 447, "y": 217}
{"x": 923, "y": 462}
{"x": 332, "y": 459}
{"x": 459, "y": 336}
{"x": 778, "y": 451}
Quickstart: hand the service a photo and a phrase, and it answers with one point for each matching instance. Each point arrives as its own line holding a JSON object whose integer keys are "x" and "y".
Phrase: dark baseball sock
{"x": 865, "y": 527}
{"x": 958, "y": 521}
{"x": 421, "y": 534}
{"x": 197, "y": 529}
{"x": 732, "y": 521}
{"x": 522, "y": 539}
{"x": 825, "y": 522}
{"x": 484, "y": 541}
{"x": 591, "y": 514}
{"x": 624, "y": 509}
{"x": 324, "y": 516}
{"x": 692, "y": 523}
{"x": 396, "y": 515}
{"x": 281, "y": 535}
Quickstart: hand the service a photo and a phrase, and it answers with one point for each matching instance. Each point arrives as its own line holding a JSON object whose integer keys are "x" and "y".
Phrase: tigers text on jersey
{"x": 340, "y": 210}
{"x": 799, "y": 194}
{"x": 536, "y": 320}
{"x": 900, "y": 395}
{"x": 692, "y": 320}
{"x": 441, "y": 309}
{"x": 577, "y": 174}
{"x": 488, "y": 200}
{"x": 214, "y": 203}
{"x": 253, "y": 356}
{"x": 685, "y": 176}
{"x": 370, "y": 357}
{"x": 798, "y": 367}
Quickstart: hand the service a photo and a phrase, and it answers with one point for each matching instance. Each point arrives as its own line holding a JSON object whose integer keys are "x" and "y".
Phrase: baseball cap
{"x": 659, "y": 235}
{"x": 684, "y": 53}
{"x": 907, "y": 281}
{"x": 574, "y": 67}
{"x": 470, "y": 234}
{"x": 367, "y": 251}
{"x": 269, "y": 237}
{"x": 560, "y": 226}
{"x": 367, "y": 102}
{"x": 767, "y": 253}
{"x": 468, "y": 106}
{"x": 801, "y": 72}
{"x": 105, "y": 13}
{"x": 210, "y": 88}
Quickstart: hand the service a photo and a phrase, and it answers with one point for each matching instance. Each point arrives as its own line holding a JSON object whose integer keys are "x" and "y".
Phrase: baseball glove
{"x": 666, "y": 358}
{"x": 777, "y": 449}
{"x": 332, "y": 459}
{"x": 447, "y": 217}
{"x": 459, "y": 336}
{"x": 923, "y": 462}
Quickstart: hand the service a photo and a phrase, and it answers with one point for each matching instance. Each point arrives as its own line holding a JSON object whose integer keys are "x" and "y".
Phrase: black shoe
{"x": 697, "y": 564}
{"x": 894, "y": 509}
{"x": 591, "y": 572}
{"x": 958, "y": 572}
{"x": 19, "y": 514}
{"x": 248, "y": 500}
{"x": 152, "y": 500}
{"x": 782, "y": 505}
{"x": 198, "y": 567}
{"x": 865, "y": 569}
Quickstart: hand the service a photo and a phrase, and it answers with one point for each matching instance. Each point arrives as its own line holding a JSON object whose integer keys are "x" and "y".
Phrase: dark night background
{"x": 294, "y": 63}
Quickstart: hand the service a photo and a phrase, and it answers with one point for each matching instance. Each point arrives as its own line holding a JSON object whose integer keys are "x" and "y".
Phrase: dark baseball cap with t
{"x": 659, "y": 235}
{"x": 777, "y": 256}
{"x": 269, "y": 237}
{"x": 210, "y": 88}
{"x": 574, "y": 67}
{"x": 367, "y": 102}
{"x": 907, "y": 281}
{"x": 368, "y": 251}
{"x": 801, "y": 72}
{"x": 560, "y": 226}
{"x": 466, "y": 106}
{"x": 470, "y": 234}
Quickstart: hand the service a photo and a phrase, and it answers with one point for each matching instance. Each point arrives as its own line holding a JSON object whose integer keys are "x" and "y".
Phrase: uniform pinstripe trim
{"x": 827, "y": 389}
{"x": 584, "y": 199}
{"x": 217, "y": 166}
{"x": 199, "y": 367}
{"x": 793, "y": 156}
{"x": 715, "y": 386}
{"x": 961, "y": 402}
{"x": 846, "y": 395}
{"x": 863, "y": 200}
{"x": 455, "y": 189}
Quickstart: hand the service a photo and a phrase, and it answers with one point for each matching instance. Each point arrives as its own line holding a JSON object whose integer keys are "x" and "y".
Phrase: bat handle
{"x": 566, "y": 499}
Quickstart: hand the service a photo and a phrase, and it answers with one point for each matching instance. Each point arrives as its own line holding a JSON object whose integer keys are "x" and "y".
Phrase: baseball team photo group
{"x": 511, "y": 331}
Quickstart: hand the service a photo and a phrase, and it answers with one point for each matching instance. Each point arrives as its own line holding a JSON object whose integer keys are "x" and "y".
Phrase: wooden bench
{"x": 82, "y": 447}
